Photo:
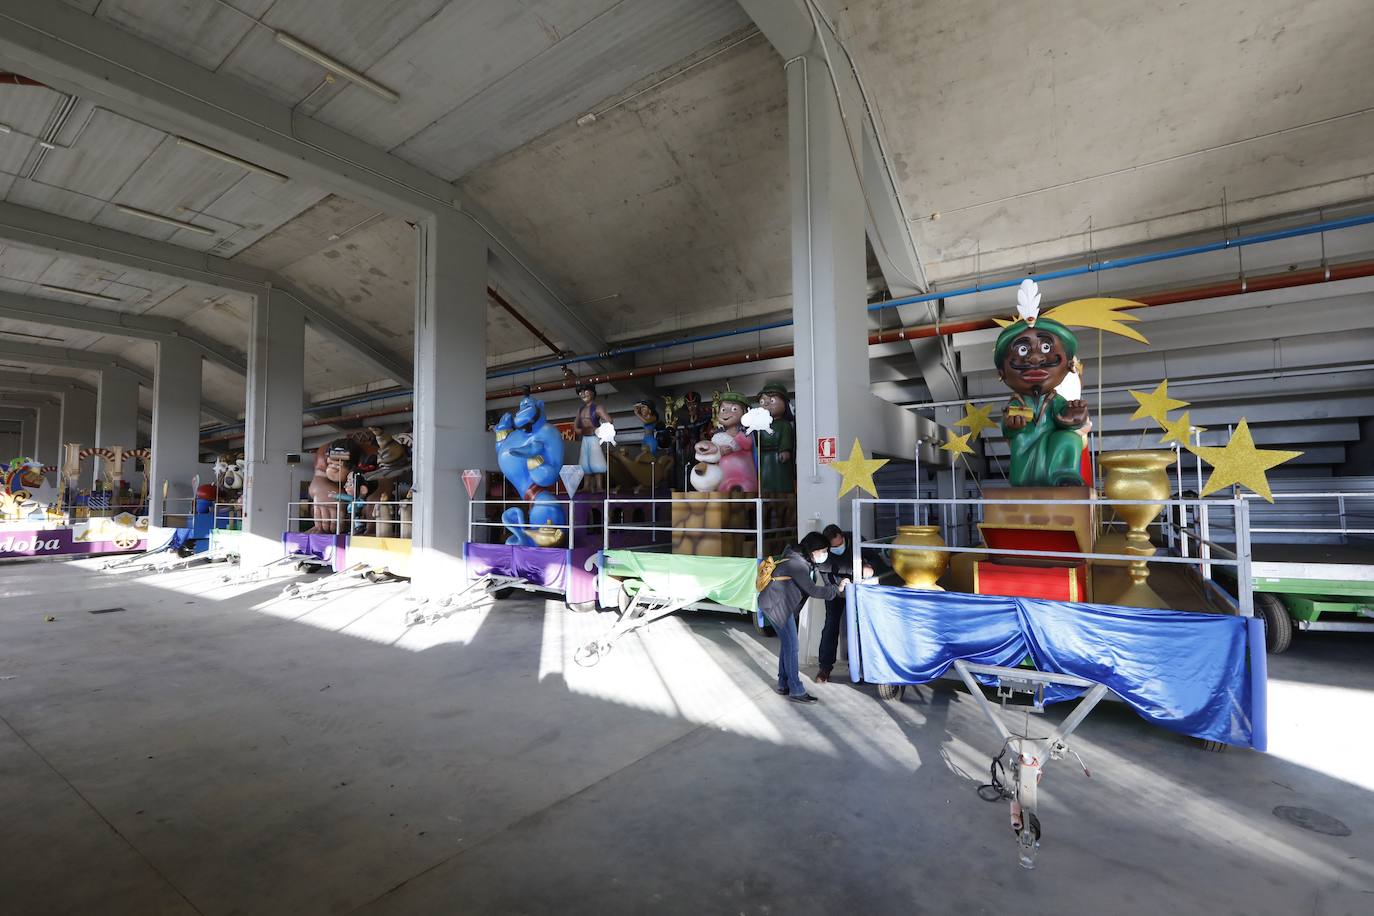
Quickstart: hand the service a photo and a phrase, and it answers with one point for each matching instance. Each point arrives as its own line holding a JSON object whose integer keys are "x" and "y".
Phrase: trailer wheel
{"x": 1278, "y": 626}
{"x": 890, "y": 693}
{"x": 1214, "y": 747}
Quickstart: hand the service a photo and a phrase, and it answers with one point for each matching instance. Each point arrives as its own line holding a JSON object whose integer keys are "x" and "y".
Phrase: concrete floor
{"x": 214, "y": 749}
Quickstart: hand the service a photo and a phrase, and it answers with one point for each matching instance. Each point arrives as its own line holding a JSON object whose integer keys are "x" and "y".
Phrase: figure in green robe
{"x": 1033, "y": 357}
{"x": 777, "y": 448}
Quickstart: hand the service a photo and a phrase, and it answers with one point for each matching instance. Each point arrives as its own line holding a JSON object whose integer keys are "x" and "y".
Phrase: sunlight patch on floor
{"x": 1324, "y": 728}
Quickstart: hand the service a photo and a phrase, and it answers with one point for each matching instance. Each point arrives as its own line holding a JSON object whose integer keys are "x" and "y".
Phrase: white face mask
{"x": 838, "y": 551}
{"x": 818, "y": 557}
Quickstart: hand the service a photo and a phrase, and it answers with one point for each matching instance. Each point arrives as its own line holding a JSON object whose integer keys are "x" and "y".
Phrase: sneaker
{"x": 804, "y": 698}
{"x": 780, "y": 691}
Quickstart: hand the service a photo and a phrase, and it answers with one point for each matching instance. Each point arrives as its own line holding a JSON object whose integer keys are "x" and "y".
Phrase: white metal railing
{"x": 756, "y": 503}
{"x": 383, "y": 517}
{"x": 180, "y": 507}
{"x": 608, "y": 505}
{"x": 1341, "y": 514}
{"x": 474, "y": 522}
{"x": 1241, "y": 559}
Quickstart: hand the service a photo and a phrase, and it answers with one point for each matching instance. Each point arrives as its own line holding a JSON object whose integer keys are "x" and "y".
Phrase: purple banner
{"x": 57, "y": 542}
{"x": 552, "y": 567}
{"x": 328, "y": 548}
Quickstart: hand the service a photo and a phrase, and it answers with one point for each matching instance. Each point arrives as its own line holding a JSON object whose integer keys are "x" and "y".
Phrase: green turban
{"x": 1049, "y": 325}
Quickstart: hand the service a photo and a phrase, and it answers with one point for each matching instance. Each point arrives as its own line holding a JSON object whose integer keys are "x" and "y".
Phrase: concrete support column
{"x": 78, "y": 425}
{"x": 828, "y": 285}
{"x": 276, "y": 398}
{"x": 117, "y": 418}
{"x": 176, "y": 427}
{"x": 48, "y": 437}
{"x": 450, "y": 396}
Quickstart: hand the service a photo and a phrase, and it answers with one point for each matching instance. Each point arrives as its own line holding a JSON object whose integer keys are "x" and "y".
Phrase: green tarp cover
{"x": 724, "y": 580}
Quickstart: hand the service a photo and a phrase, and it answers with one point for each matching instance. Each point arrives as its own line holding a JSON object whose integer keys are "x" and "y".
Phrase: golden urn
{"x": 1138, "y": 475}
{"x": 920, "y": 568}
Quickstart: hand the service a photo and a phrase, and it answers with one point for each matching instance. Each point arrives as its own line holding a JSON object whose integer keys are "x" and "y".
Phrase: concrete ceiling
{"x": 1025, "y": 124}
{"x": 1041, "y": 134}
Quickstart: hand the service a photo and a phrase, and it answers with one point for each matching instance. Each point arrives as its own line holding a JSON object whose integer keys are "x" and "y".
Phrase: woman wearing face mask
{"x": 795, "y": 579}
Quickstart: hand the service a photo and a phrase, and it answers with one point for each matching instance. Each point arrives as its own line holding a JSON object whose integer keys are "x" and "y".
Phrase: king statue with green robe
{"x": 1045, "y": 430}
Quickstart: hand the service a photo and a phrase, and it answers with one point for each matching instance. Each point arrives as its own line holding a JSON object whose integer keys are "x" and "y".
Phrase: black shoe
{"x": 804, "y": 698}
{"x": 780, "y": 691}
{"x": 823, "y": 676}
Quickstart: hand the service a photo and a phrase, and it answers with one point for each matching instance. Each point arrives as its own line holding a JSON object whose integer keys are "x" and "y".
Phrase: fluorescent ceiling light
{"x": 159, "y": 218}
{"x": 334, "y": 66}
{"x": 80, "y": 292}
{"x": 226, "y": 157}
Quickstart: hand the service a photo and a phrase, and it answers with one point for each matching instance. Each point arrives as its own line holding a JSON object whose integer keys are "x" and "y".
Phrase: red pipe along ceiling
{"x": 1283, "y": 280}
{"x": 14, "y": 79}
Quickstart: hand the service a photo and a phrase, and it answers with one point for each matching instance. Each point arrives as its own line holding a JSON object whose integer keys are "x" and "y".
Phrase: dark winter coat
{"x": 792, "y": 584}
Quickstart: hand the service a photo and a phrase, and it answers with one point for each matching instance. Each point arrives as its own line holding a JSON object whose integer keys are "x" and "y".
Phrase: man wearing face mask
{"x": 839, "y": 566}
{"x": 797, "y": 577}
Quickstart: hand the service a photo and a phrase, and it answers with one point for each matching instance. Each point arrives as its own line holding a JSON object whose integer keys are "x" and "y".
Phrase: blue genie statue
{"x": 529, "y": 451}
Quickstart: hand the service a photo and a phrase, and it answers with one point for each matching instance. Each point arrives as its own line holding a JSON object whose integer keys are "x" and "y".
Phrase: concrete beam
{"x": 122, "y": 324}
{"x": 50, "y": 232}
{"x": 79, "y": 53}
{"x": 27, "y": 381}
{"x": 85, "y": 359}
{"x": 86, "y": 56}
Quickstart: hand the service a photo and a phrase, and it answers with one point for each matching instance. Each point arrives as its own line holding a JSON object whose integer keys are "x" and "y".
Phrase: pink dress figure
{"x": 736, "y": 446}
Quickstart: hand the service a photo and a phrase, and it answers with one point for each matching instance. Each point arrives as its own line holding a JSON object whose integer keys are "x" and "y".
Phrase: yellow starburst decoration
{"x": 857, "y": 471}
{"x": 1179, "y": 430}
{"x": 1241, "y": 463}
{"x": 957, "y": 445}
{"x": 1100, "y": 313}
{"x": 976, "y": 419}
{"x": 1156, "y": 405}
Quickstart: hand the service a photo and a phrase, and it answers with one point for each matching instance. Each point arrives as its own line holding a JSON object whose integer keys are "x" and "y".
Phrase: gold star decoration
{"x": 977, "y": 419}
{"x": 857, "y": 471}
{"x": 1179, "y": 430}
{"x": 1241, "y": 463}
{"x": 957, "y": 445}
{"x": 1156, "y": 405}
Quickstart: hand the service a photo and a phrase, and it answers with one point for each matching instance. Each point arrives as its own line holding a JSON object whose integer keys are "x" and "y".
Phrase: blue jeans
{"x": 789, "y": 674}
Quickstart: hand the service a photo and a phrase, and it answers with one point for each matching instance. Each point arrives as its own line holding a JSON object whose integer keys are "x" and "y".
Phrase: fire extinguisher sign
{"x": 825, "y": 449}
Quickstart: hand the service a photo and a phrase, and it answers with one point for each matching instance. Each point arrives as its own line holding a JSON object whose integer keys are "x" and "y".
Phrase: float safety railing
{"x": 1240, "y": 559}
{"x": 301, "y": 513}
{"x": 760, "y": 533}
{"x": 173, "y": 513}
{"x": 474, "y": 522}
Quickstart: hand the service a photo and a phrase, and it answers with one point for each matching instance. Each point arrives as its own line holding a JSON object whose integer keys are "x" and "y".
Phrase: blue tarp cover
{"x": 1191, "y": 673}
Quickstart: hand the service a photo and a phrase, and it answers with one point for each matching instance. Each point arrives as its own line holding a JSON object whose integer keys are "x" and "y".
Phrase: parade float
{"x": 44, "y": 514}
{"x": 738, "y": 508}
{"x": 551, "y": 527}
{"x": 357, "y": 520}
{"x": 1060, "y": 597}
